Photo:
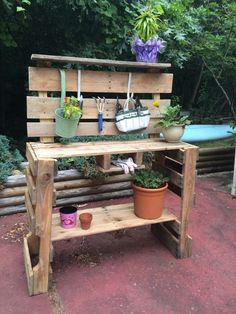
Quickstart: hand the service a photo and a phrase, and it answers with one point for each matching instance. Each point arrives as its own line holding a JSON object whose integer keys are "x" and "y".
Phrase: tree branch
{"x": 222, "y": 89}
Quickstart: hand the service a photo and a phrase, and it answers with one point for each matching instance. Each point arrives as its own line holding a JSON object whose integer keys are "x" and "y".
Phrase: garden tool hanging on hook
{"x": 100, "y": 106}
{"x": 79, "y": 96}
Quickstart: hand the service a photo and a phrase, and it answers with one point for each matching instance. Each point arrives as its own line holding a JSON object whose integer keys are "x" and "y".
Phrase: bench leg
{"x": 174, "y": 234}
{"x": 39, "y": 275}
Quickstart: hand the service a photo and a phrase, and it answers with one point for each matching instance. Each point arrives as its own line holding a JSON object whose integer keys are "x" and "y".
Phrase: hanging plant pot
{"x": 65, "y": 127}
{"x": 148, "y": 51}
{"x": 149, "y": 203}
{"x": 174, "y": 133}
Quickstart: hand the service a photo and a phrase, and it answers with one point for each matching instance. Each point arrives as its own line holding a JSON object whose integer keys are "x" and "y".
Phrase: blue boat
{"x": 206, "y": 132}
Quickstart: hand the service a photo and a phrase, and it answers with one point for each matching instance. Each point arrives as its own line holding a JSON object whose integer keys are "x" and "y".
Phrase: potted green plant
{"x": 146, "y": 43}
{"x": 149, "y": 188}
{"x": 172, "y": 123}
{"x": 67, "y": 117}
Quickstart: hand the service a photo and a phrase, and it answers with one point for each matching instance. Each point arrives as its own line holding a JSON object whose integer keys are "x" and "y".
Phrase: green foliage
{"x": 13, "y": 17}
{"x": 172, "y": 116}
{"x": 10, "y": 158}
{"x": 148, "y": 178}
{"x": 148, "y": 22}
{"x": 72, "y": 108}
{"x": 196, "y": 31}
{"x": 85, "y": 165}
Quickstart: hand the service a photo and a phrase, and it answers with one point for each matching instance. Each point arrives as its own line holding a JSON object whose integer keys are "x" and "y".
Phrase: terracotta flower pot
{"x": 85, "y": 220}
{"x": 149, "y": 203}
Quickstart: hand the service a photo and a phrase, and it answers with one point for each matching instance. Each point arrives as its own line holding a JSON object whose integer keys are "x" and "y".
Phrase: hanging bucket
{"x": 65, "y": 127}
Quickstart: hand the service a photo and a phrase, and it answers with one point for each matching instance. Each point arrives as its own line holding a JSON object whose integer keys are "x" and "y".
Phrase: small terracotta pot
{"x": 149, "y": 203}
{"x": 85, "y": 220}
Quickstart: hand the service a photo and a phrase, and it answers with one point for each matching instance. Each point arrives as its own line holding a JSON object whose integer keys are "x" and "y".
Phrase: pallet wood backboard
{"x": 41, "y": 108}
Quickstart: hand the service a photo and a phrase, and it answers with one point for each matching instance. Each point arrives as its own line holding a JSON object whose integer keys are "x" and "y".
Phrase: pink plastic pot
{"x": 68, "y": 215}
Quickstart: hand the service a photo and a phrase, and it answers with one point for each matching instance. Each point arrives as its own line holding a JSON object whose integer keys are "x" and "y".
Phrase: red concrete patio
{"x": 130, "y": 271}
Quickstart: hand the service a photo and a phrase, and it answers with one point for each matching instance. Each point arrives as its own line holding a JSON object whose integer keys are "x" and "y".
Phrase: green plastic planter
{"x": 65, "y": 127}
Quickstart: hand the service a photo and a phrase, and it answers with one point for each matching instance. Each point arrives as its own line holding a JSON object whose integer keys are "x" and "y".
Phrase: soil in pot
{"x": 149, "y": 203}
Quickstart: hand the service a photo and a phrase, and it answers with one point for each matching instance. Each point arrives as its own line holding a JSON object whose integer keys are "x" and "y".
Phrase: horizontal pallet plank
{"x": 99, "y": 81}
{"x": 39, "y": 129}
{"x": 105, "y": 219}
{"x": 57, "y": 150}
{"x": 102, "y": 62}
{"x": 44, "y": 108}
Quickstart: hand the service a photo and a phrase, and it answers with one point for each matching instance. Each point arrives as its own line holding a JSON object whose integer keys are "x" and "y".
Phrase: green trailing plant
{"x": 172, "y": 116}
{"x": 71, "y": 108}
{"x": 87, "y": 166}
{"x": 10, "y": 159}
{"x": 149, "y": 179}
{"x": 148, "y": 22}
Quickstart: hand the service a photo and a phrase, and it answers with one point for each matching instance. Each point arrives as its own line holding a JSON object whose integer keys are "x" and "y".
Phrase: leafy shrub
{"x": 10, "y": 158}
{"x": 149, "y": 179}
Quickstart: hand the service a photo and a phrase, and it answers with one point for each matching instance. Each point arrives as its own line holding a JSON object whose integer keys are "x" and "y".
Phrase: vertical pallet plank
{"x": 138, "y": 158}
{"x": 187, "y": 199}
{"x": 30, "y": 180}
{"x": 43, "y": 214}
{"x": 104, "y": 161}
{"x": 156, "y": 97}
{"x": 45, "y": 139}
{"x": 30, "y": 212}
{"x": 32, "y": 159}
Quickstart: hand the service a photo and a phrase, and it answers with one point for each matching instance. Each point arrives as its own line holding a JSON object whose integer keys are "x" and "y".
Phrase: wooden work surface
{"x": 57, "y": 150}
{"x": 102, "y": 62}
{"x": 105, "y": 219}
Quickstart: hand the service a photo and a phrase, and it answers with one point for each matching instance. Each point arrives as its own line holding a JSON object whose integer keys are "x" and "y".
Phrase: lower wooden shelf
{"x": 105, "y": 219}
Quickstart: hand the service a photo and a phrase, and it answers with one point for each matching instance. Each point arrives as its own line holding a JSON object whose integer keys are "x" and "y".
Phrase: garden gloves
{"x": 126, "y": 164}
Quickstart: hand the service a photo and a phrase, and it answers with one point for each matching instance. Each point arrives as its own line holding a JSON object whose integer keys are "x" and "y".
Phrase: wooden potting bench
{"x": 178, "y": 160}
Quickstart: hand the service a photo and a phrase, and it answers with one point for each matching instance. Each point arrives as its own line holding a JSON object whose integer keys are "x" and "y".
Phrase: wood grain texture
{"x": 45, "y": 139}
{"x": 32, "y": 159}
{"x": 28, "y": 267}
{"x": 36, "y": 129}
{"x": 100, "y": 81}
{"x": 102, "y": 62}
{"x": 44, "y": 108}
{"x": 57, "y": 150}
{"x": 189, "y": 176}
{"x": 31, "y": 212}
{"x": 31, "y": 185}
{"x": 43, "y": 215}
{"x": 105, "y": 219}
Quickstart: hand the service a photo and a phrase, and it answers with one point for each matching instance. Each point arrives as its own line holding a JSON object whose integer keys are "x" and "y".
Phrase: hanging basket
{"x": 65, "y": 127}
